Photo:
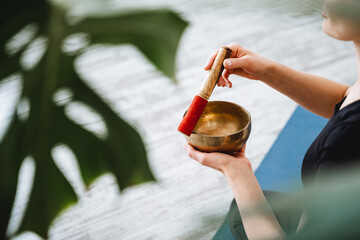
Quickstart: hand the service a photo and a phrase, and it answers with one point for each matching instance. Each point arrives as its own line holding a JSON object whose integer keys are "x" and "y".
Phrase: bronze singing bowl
{"x": 223, "y": 127}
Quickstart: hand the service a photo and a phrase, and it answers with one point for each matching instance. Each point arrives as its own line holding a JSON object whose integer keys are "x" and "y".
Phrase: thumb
{"x": 241, "y": 152}
{"x": 233, "y": 63}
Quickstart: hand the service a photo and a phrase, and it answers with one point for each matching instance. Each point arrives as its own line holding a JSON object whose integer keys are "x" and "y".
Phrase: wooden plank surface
{"x": 189, "y": 201}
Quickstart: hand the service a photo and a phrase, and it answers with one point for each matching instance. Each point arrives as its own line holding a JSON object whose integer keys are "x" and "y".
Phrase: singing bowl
{"x": 223, "y": 127}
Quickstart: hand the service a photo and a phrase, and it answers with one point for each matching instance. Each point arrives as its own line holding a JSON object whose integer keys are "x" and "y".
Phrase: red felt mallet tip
{"x": 192, "y": 116}
{"x": 198, "y": 105}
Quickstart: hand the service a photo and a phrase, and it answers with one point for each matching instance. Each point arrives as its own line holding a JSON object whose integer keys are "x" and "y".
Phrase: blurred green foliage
{"x": 330, "y": 207}
{"x": 156, "y": 33}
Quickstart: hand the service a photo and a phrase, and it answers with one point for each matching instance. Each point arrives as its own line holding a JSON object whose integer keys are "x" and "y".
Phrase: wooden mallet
{"x": 198, "y": 105}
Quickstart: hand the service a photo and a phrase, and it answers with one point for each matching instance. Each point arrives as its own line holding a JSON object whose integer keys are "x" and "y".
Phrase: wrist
{"x": 271, "y": 70}
{"x": 239, "y": 168}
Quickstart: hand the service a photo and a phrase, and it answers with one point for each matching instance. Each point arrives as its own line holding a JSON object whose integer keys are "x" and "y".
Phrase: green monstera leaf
{"x": 156, "y": 33}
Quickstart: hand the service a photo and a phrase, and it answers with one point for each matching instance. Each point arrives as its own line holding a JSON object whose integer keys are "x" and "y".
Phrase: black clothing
{"x": 337, "y": 146}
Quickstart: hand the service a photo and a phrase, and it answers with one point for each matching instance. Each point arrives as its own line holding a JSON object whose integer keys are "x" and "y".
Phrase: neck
{"x": 357, "y": 47}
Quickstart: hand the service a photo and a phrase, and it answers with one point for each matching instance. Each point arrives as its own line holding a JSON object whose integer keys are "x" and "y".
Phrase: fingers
{"x": 225, "y": 78}
{"x": 237, "y": 51}
{"x": 243, "y": 149}
{"x": 234, "y": 47}
{"x": 241, "y": 152}
{"x": 235, "y": 63}
{"x": 200, "y": 157}
{"x": 212, "y": 160}
{"x": 210, "y": 61}
{"x": 192, "y": 152}
{"x": 216, "y": 160}
{"x": 224, "y": 81}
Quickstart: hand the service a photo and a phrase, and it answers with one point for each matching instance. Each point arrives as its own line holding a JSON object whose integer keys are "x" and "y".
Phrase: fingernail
{"x": 228, "y": 62}
{"x": 228, "y": 85}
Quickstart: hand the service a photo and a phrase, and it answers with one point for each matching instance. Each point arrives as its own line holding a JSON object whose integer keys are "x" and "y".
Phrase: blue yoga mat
{"x": 281, "y": 168}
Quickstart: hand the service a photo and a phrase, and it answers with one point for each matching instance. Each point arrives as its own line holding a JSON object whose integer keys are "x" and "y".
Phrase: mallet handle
{"x": 214, "y": 73}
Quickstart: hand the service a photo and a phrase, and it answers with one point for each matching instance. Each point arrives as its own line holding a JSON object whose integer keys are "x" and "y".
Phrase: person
{"x": 336, "y": 145}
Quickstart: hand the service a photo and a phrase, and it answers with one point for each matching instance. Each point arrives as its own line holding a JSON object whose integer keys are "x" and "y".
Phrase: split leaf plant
{"x": 156, "y": 33}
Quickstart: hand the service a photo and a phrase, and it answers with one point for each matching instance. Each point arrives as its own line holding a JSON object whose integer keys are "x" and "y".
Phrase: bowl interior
{"x": 222, "y": 119}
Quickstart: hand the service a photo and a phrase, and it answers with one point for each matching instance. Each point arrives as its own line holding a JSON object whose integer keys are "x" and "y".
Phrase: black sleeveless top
{"x": 337, "y": 146}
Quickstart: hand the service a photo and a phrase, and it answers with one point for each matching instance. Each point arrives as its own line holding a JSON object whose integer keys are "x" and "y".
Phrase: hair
{"x": 349, "y": 9}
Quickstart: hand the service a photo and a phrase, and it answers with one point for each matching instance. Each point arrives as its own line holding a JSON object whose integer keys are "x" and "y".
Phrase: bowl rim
{"x": 217, "y": 136}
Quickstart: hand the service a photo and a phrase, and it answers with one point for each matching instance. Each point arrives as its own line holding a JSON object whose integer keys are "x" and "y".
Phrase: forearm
{"x": 249, "y": 196}
{"x": 317, "y": 94}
